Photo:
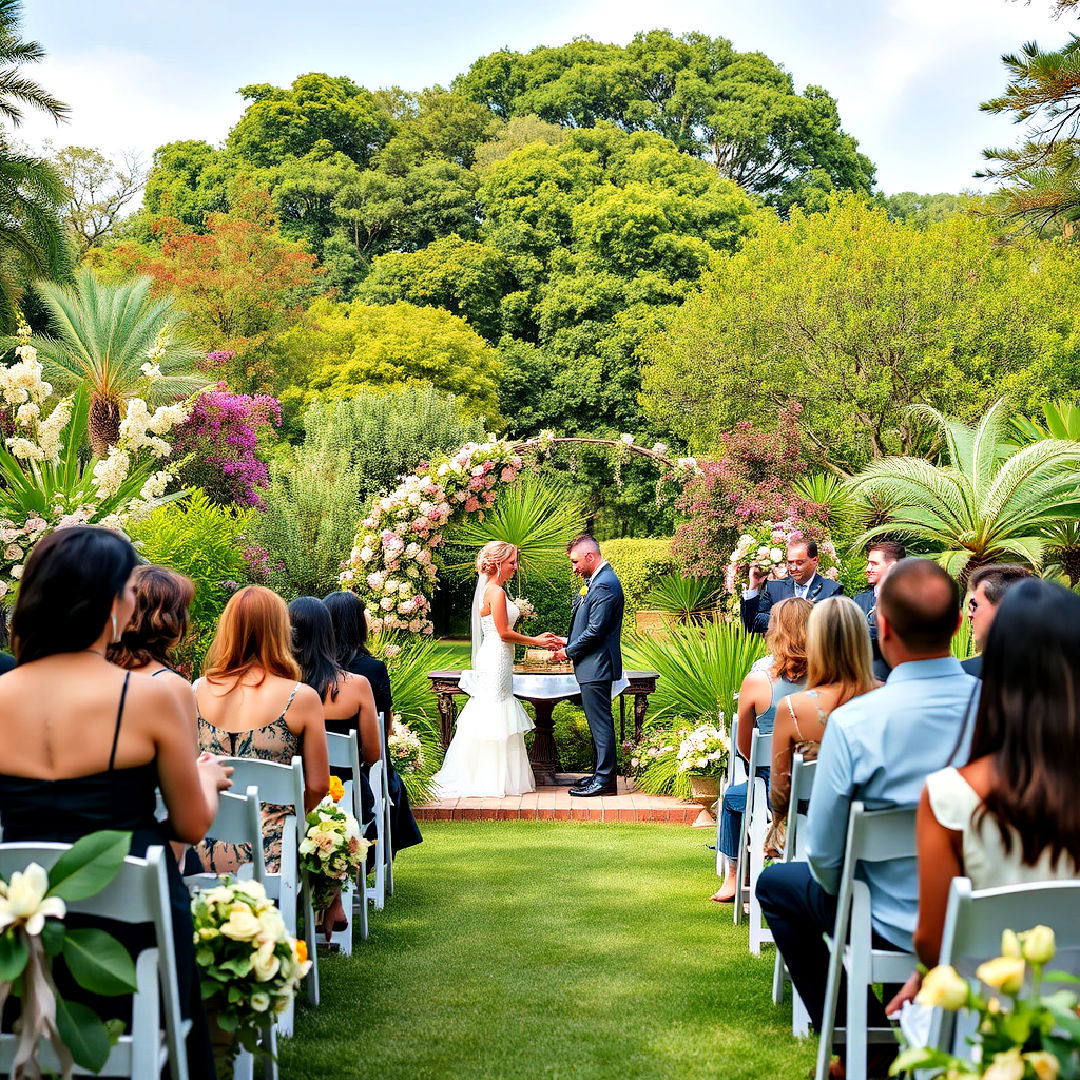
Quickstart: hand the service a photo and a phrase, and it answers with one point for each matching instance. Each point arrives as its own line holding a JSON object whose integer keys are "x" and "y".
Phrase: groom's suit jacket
{"x": 755, "y": 611}
{"x": 867, "y": 601}
{"x": 593, "y": 642}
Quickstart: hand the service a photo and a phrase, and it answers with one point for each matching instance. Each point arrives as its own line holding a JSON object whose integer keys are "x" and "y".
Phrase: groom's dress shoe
{"x": 595, "y": 788}
{"x": 584, "y": 782}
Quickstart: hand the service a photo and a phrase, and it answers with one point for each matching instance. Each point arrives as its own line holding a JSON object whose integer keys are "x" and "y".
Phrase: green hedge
{"x": 640, "y": 564}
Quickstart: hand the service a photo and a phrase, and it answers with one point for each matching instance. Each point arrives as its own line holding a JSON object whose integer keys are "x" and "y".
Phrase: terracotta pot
{"x": 705, "y": 791}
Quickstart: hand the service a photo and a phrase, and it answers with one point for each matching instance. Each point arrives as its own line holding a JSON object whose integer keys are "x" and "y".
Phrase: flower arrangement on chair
{"x": 1029, "y": 1036}
{"x": 406, "y": 749}
{"x": 332, "y": 850}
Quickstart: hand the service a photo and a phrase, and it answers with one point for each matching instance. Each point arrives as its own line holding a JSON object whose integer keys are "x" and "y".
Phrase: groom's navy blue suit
{"x": 593, "y": 645}
{"x": 755, "y": 611}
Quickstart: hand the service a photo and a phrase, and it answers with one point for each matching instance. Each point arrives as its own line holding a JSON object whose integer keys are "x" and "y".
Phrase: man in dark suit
{"x": 594, "y": 647}
{"x": 881, "y": 557}
{"x": 987, "y": 587}
{"x": 802, "y": 580}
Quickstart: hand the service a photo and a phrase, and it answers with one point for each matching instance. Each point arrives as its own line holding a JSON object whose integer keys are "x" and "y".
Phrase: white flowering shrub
{"x": 46, "y": 481}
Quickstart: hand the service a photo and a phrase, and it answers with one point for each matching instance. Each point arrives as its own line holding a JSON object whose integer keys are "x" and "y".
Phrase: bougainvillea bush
{"x": 220, "y": 439}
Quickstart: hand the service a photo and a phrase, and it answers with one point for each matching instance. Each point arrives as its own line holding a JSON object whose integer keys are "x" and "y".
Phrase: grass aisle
{"x": 514, "y": 950}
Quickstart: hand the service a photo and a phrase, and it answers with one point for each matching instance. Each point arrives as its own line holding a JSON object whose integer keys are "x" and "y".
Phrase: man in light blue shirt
{"x": 878, "y": 749}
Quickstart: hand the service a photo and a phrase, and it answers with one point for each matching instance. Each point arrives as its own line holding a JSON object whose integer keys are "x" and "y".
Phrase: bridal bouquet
{"x": 332, "y": 849}
{"x": 249, "y": 965}
{"x": 406, "y": 749}
{"x": 1032, "y": 1036}
{"x": 703, "y": 751}
{"x": 526, "y": 607}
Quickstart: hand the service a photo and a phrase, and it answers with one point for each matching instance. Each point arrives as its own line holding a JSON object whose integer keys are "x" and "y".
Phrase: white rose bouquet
{"x": 332, "y": 849}
{"x": 406, "y": 749}
{"x": 526, "y": 607}
{"x": 249, "y": 964}
{"x": 703, "y": 751}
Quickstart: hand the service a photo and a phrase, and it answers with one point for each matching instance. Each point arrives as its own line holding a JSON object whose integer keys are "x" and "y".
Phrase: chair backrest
{"x": 239, "y": 821}
{"x": 760, "y": 751}
{"x": 279, "y": 784}
{"x": 879, "y": 835}
{"x": 343, "y": 751}
{"x": 975, "y": 919}
{"x": 802, "y": 784}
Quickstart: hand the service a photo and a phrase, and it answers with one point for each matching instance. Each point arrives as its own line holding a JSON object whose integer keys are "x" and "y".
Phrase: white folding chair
{"x": 736, "y": 774}
{"x": 873, "y": 836}
{"x": 802, "y": 784}
{"x": 760, "y": 758}
{"x": 239, "y": 821}
{"x": 343, "y": 752}
{"x": 379, "y": 780}
{"x": 138, "y": 894}
{"x": 284, "y": 786}
{"x": 974, "y": 921}
{"x": 387, "y": 854}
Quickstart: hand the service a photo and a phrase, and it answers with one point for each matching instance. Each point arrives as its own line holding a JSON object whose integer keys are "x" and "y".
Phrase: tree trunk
{"x": 104, "y": 424}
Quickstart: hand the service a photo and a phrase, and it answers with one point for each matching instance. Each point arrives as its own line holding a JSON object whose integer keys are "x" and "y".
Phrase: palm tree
{"x": 989, "y": 501}
{"x": 33, "y": 241}
{"x": 101, "y": 336}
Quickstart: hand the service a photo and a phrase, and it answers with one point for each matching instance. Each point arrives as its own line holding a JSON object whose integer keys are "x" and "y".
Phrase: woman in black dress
{"x": 350, "y": 638}
{"x": 87, "y": 744}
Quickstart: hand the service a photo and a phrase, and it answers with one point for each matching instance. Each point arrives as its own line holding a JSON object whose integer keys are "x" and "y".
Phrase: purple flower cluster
{"x": 221, "y": 435}
{"x": 259, "y": 565}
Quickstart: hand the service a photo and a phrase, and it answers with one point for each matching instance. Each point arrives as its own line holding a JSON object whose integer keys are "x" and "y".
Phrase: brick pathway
{"x": 556, "y": 803}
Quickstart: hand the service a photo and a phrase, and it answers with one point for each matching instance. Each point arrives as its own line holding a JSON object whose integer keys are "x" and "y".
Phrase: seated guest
{"x": 878, "y": 749}
{"x": 86, "y": 744}
{"x": 1010, "y": 815}
{"x": 838, "y": 668}
{"x": 348, "y": 706}
{"x": 252, "y": 703}
{"x": 802, "y": 580}
{"x": 760, "y": 691}
{"x": 350, "y": 637}
{"x": 987, "y": 587}
{"x": 881, "y": 557}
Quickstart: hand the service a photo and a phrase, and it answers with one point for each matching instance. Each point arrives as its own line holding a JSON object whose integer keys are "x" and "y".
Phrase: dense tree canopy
{"x": 855, "y": 318}
{"x": 738, "y": 110}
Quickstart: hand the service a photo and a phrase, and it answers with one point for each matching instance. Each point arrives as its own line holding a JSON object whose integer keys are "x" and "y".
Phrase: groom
{"x": 593, "y": 645}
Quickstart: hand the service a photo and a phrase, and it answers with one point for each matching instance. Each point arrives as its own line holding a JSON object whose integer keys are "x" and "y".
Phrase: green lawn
{"x": 555, "y": 949}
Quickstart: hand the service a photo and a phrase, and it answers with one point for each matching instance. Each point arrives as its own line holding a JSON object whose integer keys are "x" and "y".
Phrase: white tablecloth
{"x": 544, "y": 686}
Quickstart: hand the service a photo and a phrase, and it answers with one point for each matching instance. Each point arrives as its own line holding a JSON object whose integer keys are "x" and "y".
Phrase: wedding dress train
{"x": 487, "y": 755}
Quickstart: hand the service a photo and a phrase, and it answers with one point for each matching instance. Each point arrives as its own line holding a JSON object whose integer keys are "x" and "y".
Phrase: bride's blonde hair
{"x": 492, "y": 555}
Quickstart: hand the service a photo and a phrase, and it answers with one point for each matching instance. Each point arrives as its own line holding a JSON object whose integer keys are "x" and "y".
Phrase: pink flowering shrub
{"x": 221, "y": 436}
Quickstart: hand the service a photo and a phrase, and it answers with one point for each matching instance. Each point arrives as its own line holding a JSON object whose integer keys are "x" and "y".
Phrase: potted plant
{"x": 702, "y": 756}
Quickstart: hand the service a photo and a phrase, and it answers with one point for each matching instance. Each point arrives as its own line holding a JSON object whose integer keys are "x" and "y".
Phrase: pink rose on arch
{"x": 508, "y": 476}
{"x": 487, "y": 466}
{"x": 472, "y": 504}
{"x": 416, "y": 625}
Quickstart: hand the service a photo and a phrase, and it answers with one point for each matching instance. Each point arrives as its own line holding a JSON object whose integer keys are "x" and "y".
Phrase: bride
{"x": 487, "y": 755}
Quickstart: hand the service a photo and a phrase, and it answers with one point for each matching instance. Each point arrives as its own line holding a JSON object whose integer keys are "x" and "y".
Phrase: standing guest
{"x": 881, "y": 557}
{"x": 86, "y": 745}
{"x": 758, "y": 697}
{"x": 350, "y": 638}
{"x": 348, "y": 706}
{"x": 878, "y": 749}
{"x": 253, "y": 703}
{"x": 1010, "y": 815}
{"x": 838, "y": 668}
{"x": 803, "y": 580}
{"x": 987, "y": 587}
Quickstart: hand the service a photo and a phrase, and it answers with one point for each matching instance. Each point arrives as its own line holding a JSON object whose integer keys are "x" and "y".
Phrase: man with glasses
{"x": 802, "y": 580}
{"x": 987, "y": 587}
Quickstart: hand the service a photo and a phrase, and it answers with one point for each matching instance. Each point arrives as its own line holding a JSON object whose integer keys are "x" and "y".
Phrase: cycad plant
{"x": 987, "y": 501}
{"x": 118, "y": 342}
{"x": 689, "y": 599}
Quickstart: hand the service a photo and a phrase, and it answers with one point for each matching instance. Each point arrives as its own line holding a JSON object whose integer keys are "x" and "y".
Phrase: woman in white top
{"x": 1010, "y": 815}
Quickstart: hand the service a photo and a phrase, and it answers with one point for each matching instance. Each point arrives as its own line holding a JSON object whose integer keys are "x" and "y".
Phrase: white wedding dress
{"x": 487, "y": 755}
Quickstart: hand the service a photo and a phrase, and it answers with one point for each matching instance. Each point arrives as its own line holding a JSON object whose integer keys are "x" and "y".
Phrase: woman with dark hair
{"x": 1010, "y": 815}
{"x": 347, "y": 706}
{"x": 350, "y": 638}
{"x": 87, "y": 744}
{"x": 253, "y": 703}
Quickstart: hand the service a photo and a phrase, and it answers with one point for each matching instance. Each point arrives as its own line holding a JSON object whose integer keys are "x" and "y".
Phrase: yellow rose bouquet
{"x": 1026, "y": 1036}
{"x": 332, "y": 849}
{"x": 249, "y": 965}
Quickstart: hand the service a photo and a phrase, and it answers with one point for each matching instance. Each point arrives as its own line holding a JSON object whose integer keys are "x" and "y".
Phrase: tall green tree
{"x": 33, "y": 240}
{"x": 100, "y": 337}
{"x": 740, "y": 111}
{"x": 855, "y": 317}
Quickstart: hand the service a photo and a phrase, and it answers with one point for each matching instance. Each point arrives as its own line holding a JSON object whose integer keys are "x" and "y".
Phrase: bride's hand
{"x": 550, "y": 641}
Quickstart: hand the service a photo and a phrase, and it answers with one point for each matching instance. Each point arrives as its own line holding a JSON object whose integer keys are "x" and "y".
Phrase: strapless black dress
{"x": 33, "y": 810}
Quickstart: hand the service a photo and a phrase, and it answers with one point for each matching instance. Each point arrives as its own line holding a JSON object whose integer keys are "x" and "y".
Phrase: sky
{"x": 908, "y": 75}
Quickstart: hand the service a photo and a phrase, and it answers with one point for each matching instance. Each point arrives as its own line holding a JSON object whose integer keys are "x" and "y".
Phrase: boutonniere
{"x": 583, "y": 590}
{"x": 818, "y": 588}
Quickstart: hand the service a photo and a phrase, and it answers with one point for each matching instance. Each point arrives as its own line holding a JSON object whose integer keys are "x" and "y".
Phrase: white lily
{"x": 23, "y": 900}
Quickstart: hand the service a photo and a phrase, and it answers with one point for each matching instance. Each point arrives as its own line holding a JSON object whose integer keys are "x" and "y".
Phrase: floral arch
{"x": 392, "y": 563}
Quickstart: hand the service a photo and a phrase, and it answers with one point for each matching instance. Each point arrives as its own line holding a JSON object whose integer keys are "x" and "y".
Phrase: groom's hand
{"x": 549, "y": 641}
{"x": 559, "y": 654}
